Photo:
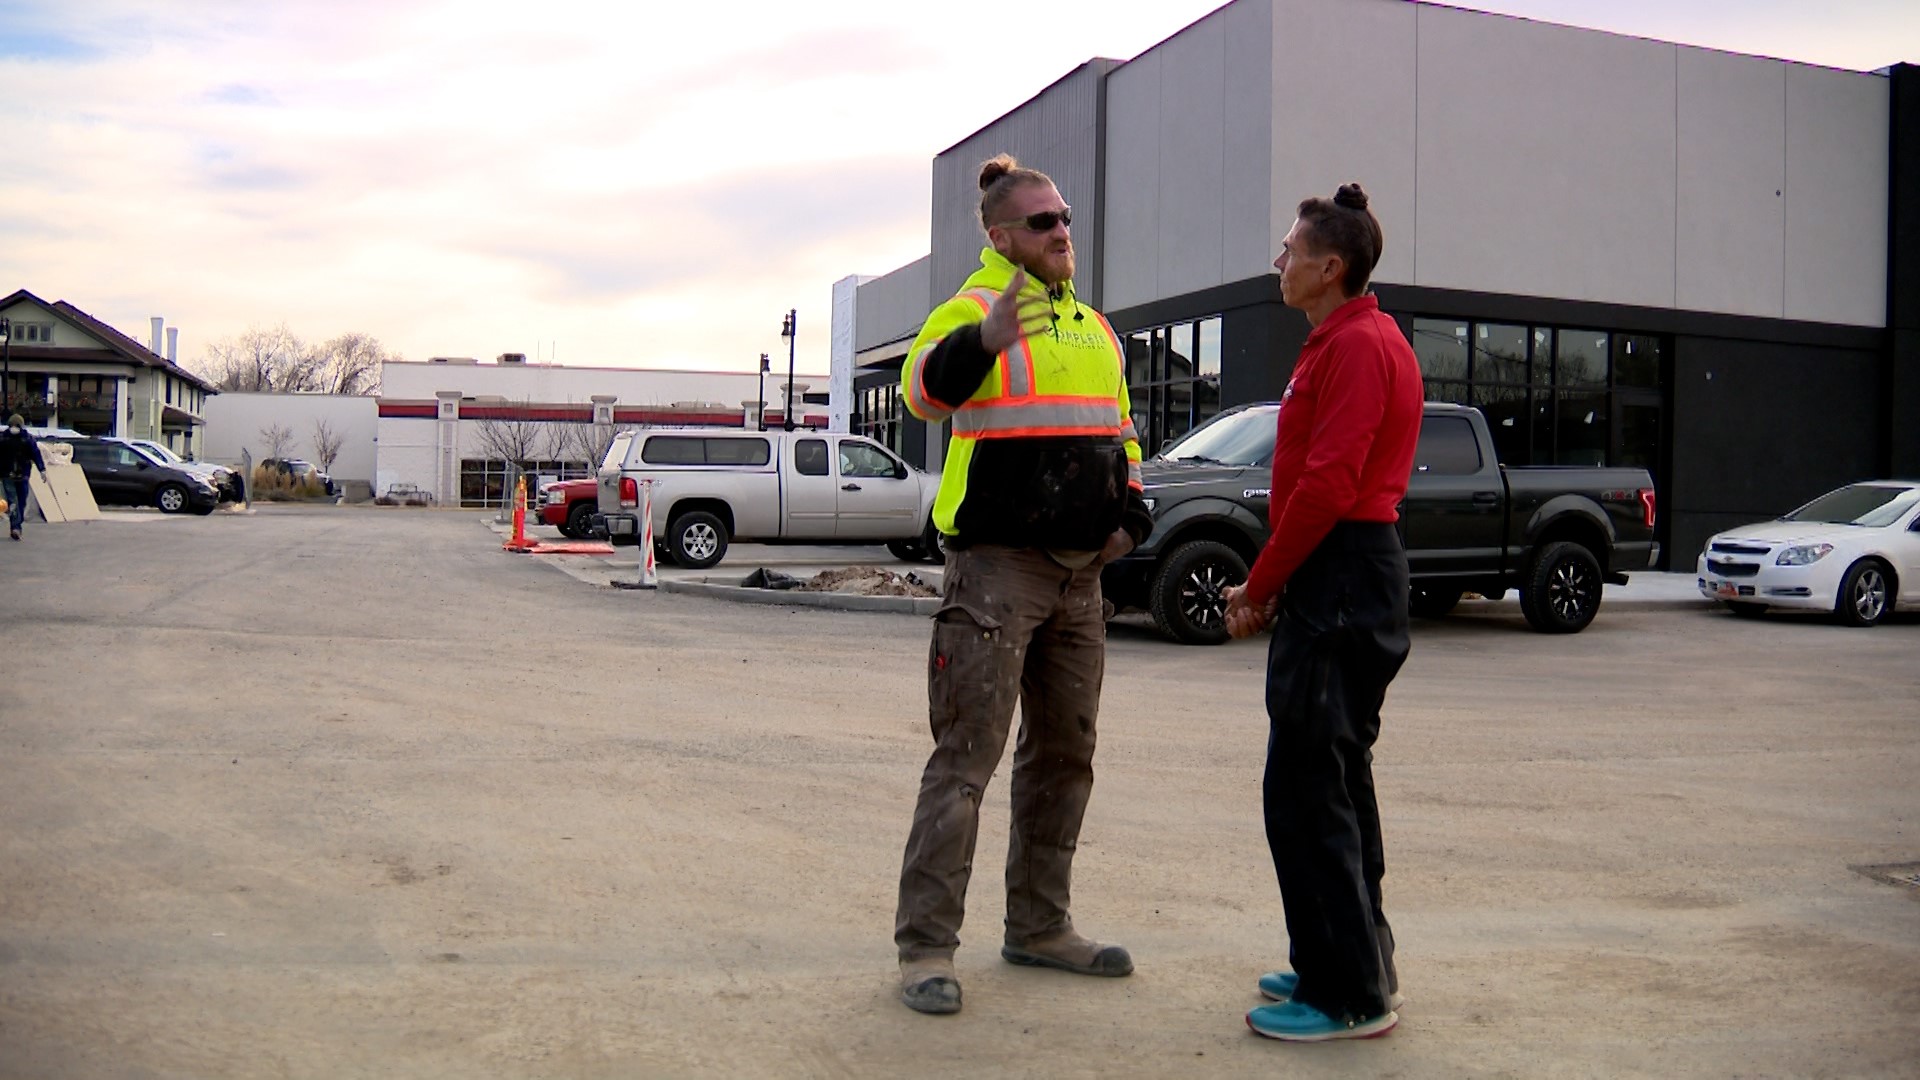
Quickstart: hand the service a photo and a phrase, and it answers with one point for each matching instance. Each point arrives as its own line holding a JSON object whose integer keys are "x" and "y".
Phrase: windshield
{"x": 1244, "y": 437}
{"x": 165, "y": 455}
{"x": 1858, "y": 504}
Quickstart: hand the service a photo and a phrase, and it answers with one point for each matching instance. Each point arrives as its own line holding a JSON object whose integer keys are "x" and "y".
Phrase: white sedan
{"x": 1854, "y": 551}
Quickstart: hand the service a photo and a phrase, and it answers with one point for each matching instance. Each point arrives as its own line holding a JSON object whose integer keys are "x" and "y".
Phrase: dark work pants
{"x": 1340, "y": 639}
{"x": 1014, "y": 626}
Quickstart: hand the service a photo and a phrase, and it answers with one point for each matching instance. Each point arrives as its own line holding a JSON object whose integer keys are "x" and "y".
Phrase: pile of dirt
{"x": 867, "y": 581}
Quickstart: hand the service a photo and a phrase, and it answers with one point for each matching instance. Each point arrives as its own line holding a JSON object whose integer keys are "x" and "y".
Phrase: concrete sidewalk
{"x": 1643, "y": 589}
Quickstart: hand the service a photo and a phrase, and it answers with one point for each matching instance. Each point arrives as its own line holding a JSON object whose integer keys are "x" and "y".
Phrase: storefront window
{"x": 1173, "y": 379}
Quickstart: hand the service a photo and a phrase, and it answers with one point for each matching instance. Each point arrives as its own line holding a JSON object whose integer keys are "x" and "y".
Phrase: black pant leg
{"x": 1340, "y": 640}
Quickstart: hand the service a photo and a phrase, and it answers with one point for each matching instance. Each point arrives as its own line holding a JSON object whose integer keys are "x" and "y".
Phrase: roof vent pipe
{"x": 153, "y": 345}
{"x": 173, "y": 344}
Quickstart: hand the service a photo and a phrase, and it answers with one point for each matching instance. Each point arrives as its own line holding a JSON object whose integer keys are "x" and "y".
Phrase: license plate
{"x": 1726, "y": 590}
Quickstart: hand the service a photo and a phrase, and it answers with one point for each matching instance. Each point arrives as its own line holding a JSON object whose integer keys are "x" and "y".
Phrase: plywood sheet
{"x": 63, "y": 495}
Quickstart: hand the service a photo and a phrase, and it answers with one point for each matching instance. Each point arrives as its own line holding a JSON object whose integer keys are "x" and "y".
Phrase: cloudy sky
{"x": 625, "y": 184}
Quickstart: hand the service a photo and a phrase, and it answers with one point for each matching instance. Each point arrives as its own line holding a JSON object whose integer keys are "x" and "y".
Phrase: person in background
{"x": 1332, "y": 581}
{"x": 18, "y": 453}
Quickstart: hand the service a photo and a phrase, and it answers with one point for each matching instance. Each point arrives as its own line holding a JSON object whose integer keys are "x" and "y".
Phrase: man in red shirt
{"x": 1332, "y": 581}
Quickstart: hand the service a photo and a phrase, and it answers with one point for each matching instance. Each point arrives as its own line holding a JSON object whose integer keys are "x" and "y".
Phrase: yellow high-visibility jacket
{"x": 1043, "y": 452}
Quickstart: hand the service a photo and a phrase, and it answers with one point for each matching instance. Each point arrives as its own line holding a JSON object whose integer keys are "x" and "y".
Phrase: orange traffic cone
{"x": 519, "y": 541}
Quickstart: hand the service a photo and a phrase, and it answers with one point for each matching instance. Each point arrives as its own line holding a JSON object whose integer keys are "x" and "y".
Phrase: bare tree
{"x": 263, "y": 360}
{"x": 516, "y": 437}
{"x": 326, "y": 444}
{"x": 588, "y": 442}
{"x": 279, "y": 440}
{"x": 351, "y": 364}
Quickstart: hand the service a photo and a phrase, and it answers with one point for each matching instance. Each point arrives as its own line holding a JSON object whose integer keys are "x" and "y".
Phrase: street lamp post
{"x": 790, "y": 329}
{"x": 761, "y": 414}
{"x": 6, "y": 368}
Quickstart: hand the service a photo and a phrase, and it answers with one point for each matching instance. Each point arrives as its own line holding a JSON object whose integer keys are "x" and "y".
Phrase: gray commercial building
{"x": 1624, "y": 251}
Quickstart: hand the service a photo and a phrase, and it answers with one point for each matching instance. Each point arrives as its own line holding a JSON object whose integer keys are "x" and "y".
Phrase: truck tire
{"x": 1186, "y": 594}
{"x": 906, "y": 550}
{"x": 934, "y": 543}
{"x": 1866, "y": 593}
{"x": 697, "y": 539}
{"x": 580, "y": 520}
{"x": 1432, "y": 601}
{"x": 1562, "y": 592}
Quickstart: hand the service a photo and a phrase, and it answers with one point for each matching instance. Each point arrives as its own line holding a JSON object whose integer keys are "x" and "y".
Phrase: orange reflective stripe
{"x": 922, "y": 403}
{"x": 1115, "y": 339}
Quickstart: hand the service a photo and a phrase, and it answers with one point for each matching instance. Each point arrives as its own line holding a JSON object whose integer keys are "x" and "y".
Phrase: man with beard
{"x": 1040, "y": 489}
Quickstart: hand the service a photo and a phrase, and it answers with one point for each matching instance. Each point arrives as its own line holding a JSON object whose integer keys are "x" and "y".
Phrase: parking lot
{"x": 344, "y": 792}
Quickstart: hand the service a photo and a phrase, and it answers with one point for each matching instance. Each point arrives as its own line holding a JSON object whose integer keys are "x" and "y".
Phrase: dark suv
{"x": 123, "y": 476}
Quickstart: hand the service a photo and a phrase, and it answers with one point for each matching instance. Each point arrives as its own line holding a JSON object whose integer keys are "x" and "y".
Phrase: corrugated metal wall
{"x": 893, "y": 306}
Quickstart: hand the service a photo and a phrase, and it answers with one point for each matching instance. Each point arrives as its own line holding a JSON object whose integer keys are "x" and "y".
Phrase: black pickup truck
{"x": 1469, "y": 523}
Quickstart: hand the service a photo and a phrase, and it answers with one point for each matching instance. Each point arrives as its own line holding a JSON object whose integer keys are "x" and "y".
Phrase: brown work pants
{"x": 1013, "y": 625}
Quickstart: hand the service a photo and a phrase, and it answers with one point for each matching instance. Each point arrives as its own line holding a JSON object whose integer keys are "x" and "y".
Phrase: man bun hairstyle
{"x": 1000, "y": 176}
{"x": 1344, "y": 226}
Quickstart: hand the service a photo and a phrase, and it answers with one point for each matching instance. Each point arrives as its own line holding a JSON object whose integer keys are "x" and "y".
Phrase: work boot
{"x": 929, "y": 985}
{"x": 1068, "y": 951}
{"x": 15, "y": 533}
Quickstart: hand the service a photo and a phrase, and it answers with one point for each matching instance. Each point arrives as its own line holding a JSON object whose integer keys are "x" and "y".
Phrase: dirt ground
{"x": 336, "y": 792}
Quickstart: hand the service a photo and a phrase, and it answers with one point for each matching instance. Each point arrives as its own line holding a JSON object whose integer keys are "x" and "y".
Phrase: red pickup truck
{"x": 569, "y": 506}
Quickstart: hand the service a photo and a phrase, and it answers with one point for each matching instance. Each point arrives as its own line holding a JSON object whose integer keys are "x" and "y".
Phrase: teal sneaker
{"x": 1290, "y": 1021}
{"x": 1278, "y": 986}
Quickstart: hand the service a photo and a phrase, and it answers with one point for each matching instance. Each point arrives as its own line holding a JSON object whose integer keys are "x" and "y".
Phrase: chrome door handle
{"x": 849, "y": 487}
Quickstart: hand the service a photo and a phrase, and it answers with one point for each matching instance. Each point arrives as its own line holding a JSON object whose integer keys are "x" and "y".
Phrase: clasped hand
{"x": 1243, "y": 619}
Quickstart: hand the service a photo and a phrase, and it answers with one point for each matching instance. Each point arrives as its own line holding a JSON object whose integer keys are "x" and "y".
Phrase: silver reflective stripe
{"x": 1019, "y": 362}
{"x": 1129, "y": 432}
{"x": 1039, "y": 416}
{"x": 1134, "y": 477}
{"x": 916, "y": 388}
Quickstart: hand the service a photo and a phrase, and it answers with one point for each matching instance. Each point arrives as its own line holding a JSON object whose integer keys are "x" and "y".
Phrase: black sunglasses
{"x": 1044, "y": 221}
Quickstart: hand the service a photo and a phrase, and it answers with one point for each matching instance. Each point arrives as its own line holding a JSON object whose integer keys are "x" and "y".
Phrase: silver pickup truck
{"x": 713, "y": 486}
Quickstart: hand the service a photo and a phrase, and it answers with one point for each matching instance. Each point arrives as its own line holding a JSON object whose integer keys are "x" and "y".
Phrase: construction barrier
{"x": 518, "y": 541}
{"x": 649, "y": 572}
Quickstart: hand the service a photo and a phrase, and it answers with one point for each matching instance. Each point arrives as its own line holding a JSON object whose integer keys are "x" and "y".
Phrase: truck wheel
{"x": 1562, "y": 591}
{"x": 934, "y": 543}
{"x": 697, "y": 539}
{"x": 580, "y": 521}
{"x": 1864, "y": 593}
{"x": 171, "y": 498}
{"x": 1432, "y": 601}
{"x": 1186, "y": 595}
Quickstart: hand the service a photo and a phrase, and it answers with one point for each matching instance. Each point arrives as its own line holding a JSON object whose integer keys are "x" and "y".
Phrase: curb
{"x": 899, "y": 605}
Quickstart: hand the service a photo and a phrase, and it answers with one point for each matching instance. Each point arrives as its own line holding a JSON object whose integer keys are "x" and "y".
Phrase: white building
{"x": 239, "y": 422}
{"x": 451, "y": 426}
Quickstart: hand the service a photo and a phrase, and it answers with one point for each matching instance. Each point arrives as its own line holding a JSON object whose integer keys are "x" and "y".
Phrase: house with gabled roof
{"x": 61, "y": 367}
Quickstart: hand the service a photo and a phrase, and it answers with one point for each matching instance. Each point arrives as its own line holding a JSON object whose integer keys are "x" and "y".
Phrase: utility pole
{"x": 790, "y": 329}
{"x": 6, "y": 368}
{"x": 761, "y": 413}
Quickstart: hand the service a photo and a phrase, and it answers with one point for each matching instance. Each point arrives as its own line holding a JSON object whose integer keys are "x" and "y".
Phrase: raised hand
{"x": 1014, "y": 317}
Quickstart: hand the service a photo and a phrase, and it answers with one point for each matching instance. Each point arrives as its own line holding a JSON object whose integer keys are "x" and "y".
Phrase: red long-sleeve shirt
{"x": 1349, "y": 422}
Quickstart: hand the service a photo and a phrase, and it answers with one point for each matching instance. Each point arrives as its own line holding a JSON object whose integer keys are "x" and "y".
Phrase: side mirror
{"x": 900, "y": 472}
